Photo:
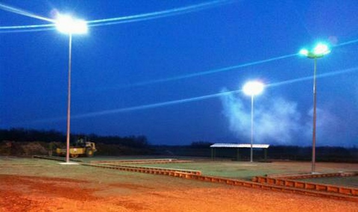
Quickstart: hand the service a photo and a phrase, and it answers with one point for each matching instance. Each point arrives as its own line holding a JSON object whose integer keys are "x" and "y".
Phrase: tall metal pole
{"x": 252, "y": 127}
{"x": 314, "y": 118}
{"x": 69, "y": 99}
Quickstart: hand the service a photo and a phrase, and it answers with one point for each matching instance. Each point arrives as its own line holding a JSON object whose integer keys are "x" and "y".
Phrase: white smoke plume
{"x": 277, "y": 121}
{"x": 330, "y": 129}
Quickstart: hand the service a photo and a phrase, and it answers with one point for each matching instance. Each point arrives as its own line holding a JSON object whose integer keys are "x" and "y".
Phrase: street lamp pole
{"x": 69, "y": 98}
{"x": 68, "y": 25}
{"x": 313, "y": 168}
{"x": 252, "y": 129}
{"x": 319, "y": 51}
{"x": 251, "y": 89}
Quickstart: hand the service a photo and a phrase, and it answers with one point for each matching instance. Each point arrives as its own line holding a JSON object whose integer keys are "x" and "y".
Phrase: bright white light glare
{"x": 303, "y": 52}
{"x": 321, "y": 49}
{"x": 68, "y": 25}
{"x": 253, "y": 88}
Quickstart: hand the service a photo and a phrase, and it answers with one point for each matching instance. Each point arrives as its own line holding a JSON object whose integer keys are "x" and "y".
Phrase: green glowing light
{"x": 318, "y": 51}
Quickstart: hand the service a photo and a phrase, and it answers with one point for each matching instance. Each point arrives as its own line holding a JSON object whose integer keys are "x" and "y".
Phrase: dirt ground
{"x": 35, "y": 194}
{"x": 32, "y": 185}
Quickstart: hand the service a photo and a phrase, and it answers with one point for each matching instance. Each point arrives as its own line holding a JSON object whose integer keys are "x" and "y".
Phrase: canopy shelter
{"x": 238, "y": 146}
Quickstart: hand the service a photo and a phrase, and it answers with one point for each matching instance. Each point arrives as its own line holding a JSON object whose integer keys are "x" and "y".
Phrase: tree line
{"x": 30, "y": 135}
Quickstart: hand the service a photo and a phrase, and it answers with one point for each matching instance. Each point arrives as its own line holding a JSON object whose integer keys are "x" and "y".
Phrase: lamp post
{"x": 252, "y": 89}
{"x": 318, "y": 51}
{"x": 68, "y": 25}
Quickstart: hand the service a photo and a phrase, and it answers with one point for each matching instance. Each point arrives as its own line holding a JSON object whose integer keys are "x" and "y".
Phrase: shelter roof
{"x": 228, "y": 145}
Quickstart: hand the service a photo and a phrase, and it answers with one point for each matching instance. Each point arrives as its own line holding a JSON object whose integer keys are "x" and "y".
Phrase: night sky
{"x": 173, "y": 70}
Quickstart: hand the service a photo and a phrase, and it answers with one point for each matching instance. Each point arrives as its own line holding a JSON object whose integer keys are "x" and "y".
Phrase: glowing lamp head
{"x": 321, "y": 49}
{"x": 68, "y": 25}
{"x": 318, "y": 51}
{"x": 253, "y": 88}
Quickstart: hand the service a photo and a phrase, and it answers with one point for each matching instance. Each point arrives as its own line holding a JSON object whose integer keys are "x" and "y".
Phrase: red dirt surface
{"x": 44, "y": 194}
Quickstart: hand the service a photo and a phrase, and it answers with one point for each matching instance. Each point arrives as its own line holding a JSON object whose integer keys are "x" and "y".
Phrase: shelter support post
{"x": 238, "y": 154}
{"x": 212, "y": 153}
{"x": 265, "y": 154}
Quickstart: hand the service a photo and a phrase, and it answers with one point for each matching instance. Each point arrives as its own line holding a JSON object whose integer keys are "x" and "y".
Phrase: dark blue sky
{"x": 162, "y": 77}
